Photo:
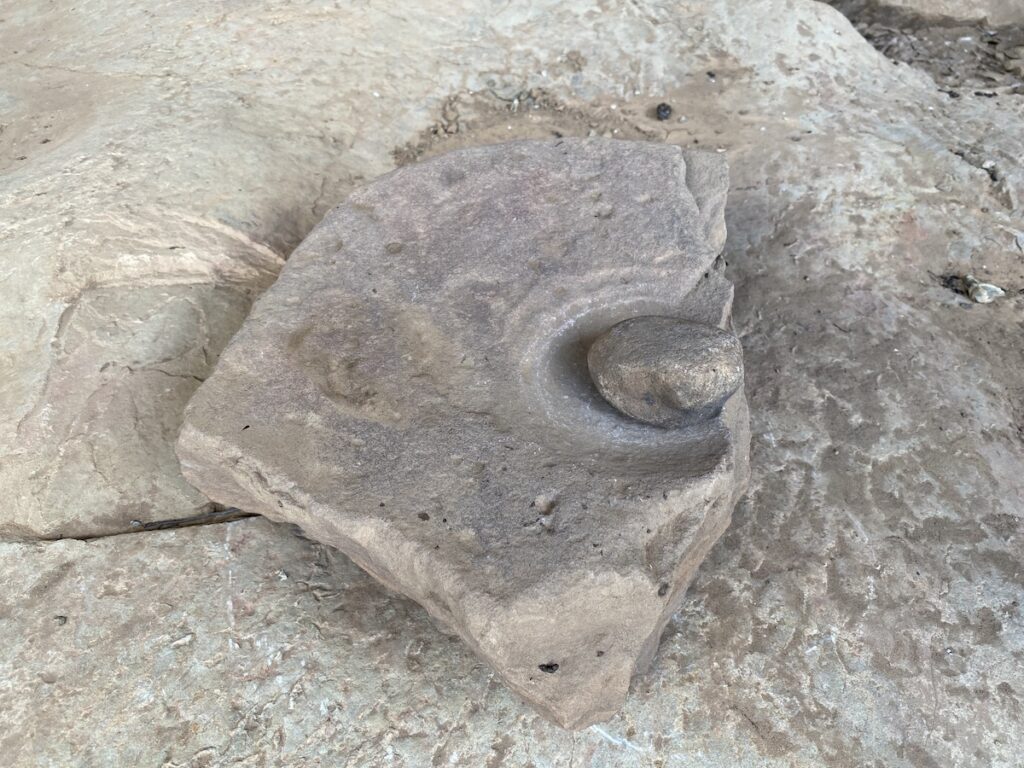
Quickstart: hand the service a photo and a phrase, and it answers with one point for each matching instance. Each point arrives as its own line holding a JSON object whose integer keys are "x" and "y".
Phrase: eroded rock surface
{"x": 414, "y": 390}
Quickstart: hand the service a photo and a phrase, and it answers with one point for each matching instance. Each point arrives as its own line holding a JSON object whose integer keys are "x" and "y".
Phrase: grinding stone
{"x": 414, "y": 390}
{"x": 666, "y": 371}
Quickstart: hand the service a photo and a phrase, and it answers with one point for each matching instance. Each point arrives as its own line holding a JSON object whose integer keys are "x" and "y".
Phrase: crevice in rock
{"x": 213, "y": 514}
{"x": 1000, "y": 190}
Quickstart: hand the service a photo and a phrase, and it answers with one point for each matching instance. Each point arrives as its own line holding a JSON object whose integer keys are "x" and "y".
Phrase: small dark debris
{"x": 211, "y": 514}
{"x": 550, "y": 668}
{"x": 423, "y": 516}
{"x": 45, "y": 141}
{"x": 711, "y": 76}
{"x": 381, "y": 504}
{"x": 951, "y": 282}
{"x": 245, "y": 427}
{"x": 663, "y": 111}
{"x": 600, "y": 653}
{"x": 663, "y": 590}
{"x": 61, "y": 620}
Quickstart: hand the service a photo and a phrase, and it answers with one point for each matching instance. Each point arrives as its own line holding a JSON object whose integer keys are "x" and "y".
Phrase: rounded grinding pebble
{"x": 665, "y": 371}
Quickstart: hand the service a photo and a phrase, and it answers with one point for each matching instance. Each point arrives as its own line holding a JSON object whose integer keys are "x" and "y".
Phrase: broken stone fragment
{"x": 666, "y": 371}
{"x": 415, "y": 391}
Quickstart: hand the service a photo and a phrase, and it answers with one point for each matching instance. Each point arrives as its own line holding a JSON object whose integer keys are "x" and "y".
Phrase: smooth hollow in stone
{"x": 666, "y": 371}
{"x": 414, "y": 390}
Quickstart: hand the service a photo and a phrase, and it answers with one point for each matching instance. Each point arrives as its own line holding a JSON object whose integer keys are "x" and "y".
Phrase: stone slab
{"x": 414, "y": 390}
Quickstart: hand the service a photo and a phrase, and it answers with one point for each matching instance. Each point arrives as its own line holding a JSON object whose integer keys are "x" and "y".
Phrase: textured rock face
{"x": 414, "y": 391}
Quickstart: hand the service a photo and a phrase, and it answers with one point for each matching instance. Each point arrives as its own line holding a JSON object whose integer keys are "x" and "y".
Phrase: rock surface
{"x": 666, "y": 371}
{"x": 135, "y": 168}
{"x": 864, "y": 606}
{"x": 242, "y": 644}
{"x": 414, "y": 391}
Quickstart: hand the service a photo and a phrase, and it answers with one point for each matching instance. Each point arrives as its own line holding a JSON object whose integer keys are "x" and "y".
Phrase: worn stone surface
{"x": 864, "y": 606}
{"x": 431, "y": 412}
{"x": 666, "y": 371}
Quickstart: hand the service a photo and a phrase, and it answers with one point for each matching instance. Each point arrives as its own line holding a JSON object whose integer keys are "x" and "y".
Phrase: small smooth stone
{"x": 666, "y": 371}
{"x": 982, "y": 293}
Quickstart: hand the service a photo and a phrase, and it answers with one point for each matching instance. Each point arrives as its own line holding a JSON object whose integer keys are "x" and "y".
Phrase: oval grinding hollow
{"x": 415, "y": 391}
